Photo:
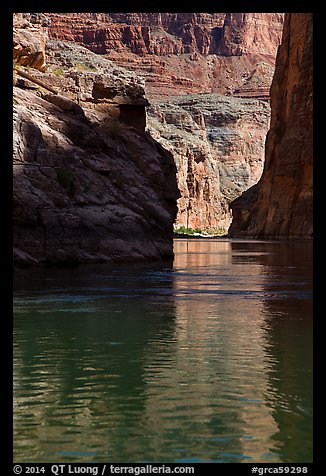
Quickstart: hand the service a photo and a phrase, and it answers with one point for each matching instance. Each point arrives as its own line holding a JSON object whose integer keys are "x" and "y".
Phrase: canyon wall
{"x": 89, "y": 186}
{"x": 280, "y": 206}
{"x": 181, "y": 53}
{"x": 218, "y": 147}
{"x": 161, "y": 34}
{"x": 217, "y": 143}
{"x": 206, "y": 78}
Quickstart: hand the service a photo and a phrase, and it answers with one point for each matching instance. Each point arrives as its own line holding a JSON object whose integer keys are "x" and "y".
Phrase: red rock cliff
{"x": 181, "y": 53}
{"x": 229, "y": 34}
{"x": 217, "y": 144}
{"x": 283, "y": 208}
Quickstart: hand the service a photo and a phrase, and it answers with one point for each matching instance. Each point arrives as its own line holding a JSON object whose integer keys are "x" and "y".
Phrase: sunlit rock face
{"x": 181, "y": 53}
{"x": 217, "y": 144}
{"x": 218, "y": 153}
{"x": 30, "y": 33}
{"x": 283, "y": 203}
{"x": 218, "y": 147}
{"x": 90, "y": 185}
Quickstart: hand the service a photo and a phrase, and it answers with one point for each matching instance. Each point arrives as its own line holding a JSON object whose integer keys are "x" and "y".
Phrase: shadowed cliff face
{"x": 86, "y": 191}
{"x": 283, "y": 204}
{"x": 90, "y": 185}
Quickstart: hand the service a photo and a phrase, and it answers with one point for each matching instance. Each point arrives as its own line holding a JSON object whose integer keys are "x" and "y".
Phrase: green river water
{"x": 206, "y": 359}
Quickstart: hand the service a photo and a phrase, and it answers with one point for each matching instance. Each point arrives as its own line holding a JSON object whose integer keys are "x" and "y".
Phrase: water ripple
{"x": 206, "y": 361}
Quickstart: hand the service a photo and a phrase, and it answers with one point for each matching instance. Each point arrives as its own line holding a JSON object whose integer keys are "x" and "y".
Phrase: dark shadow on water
{"x": 85, "y": 348}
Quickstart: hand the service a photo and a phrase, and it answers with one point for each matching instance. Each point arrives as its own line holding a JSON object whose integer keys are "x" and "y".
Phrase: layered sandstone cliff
{"x": 90, "y": 185}
{"x": 283, "y": 204}
{"x": 162, "y": 34}
{"x": 217, "y": 143}
{"x": 180, "y": 53}
{"x": 218, "y": 147}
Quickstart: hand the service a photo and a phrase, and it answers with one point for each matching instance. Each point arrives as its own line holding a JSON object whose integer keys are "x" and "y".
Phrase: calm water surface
{"x": 208, "y": 359}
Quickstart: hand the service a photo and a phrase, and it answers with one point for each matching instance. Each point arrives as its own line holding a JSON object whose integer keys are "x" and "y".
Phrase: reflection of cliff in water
{"x": 289, "y": 345}
{"x": 254, "y": 346}
{"x": 287, "y": 341}
{"x": 232, "y": 361}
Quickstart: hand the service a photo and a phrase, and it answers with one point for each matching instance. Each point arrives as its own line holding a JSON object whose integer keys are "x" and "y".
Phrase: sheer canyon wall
{"x": 218, "y": 146}
{"x": 207, "y": 77}
{"x": 280, "y": 206}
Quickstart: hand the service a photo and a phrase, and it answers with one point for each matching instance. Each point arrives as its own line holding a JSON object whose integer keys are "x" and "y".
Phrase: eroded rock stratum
{"x": 218, "y": 146}
{"x": 181, "y": 53}
{"x": 90, "y": 184}
{"x": 207, "y": 78}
